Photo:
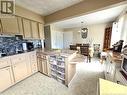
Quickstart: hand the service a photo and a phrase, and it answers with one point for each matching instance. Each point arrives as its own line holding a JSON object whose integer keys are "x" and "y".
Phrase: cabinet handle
{"x": 118, "y": 82}
{"x": 7, "y": 69}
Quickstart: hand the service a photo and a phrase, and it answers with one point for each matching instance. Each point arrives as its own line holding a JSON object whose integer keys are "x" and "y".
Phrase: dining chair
{"x": 85, "y": 51}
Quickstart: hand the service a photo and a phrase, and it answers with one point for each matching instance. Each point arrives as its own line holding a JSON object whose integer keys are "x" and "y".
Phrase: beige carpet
{"x": 84, "y": 82}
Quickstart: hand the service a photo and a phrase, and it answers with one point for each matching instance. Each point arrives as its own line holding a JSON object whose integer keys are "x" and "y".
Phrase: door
{"x": 107, "y": 38}
{"x": 1, "y": 29}
{"x": 35, "y": 33}
{"x": 27, "y": 28}
{"x": 39, "y": 61}
{"x": 6, "y": 79}
{"x": 20, "y": 25}
{"x": 33, "y": 60}
{"x": 44, "y": 66}
{"x": 41, "y": 30}
{"x": 10, "y": 25}
{"x": 20, "y": 70}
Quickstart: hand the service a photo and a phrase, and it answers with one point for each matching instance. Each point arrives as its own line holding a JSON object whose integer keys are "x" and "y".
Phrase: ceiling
{"x": 103, "y": 16}
{"x": 46, "y": 7}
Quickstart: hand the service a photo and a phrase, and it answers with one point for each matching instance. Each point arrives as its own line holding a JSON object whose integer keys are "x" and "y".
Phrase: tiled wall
{"x": 10, "y": 45}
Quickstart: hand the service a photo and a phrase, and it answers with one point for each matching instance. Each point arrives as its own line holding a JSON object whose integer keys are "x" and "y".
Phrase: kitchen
{"x": 34, "y": 51}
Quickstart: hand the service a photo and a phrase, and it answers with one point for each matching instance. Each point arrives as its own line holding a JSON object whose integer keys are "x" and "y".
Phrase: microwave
{"x": 28, "y": 46}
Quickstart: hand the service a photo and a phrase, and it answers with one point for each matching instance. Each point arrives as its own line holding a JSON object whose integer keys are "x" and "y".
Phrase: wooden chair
{"x": 73, "y": 47}
{"x": 85, "y": 51}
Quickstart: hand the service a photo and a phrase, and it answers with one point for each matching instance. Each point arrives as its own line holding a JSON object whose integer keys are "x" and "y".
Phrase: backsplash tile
{"x": 10, "y": 46}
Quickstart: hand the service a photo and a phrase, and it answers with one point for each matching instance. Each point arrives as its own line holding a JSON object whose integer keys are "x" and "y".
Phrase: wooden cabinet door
{"x": 33, "y": 60}
{"x": 20, "y": 25}
{"x": 20, "y": 70}
{"x": 41, "y": 30}
{"x": 27, "y": 28}
{"x": 35, "y": 33}
{"x": 6, "y": 79}
{"x": 1, "y": 29}
{"x": 44, "y": 66}
{"x": 10, "y": 25}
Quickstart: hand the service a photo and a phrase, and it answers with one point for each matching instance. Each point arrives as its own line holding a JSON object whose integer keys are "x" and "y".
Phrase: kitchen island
{"x": 57, "y": 64}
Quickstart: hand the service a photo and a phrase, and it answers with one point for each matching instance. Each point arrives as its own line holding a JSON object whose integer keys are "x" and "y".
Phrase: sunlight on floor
{"x": 94, "y": 66}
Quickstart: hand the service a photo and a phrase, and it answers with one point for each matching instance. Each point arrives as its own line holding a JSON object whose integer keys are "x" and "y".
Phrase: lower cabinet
{"x": 20, "y": 71}
{"x": 43, "y": 64}
{"x": 16, "y": 68}
{"x": 6, "y": 79}
{"x": 33, "y": 62}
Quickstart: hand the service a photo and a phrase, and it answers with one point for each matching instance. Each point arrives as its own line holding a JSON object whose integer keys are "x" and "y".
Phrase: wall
{"x": 56, "y": 37}
{"x": 119, "y": 31}
{"x": 95, "y": 35}
{"x": 67, "y": 39}
{"x": 124, "y": 30}
{"x": 28, "y": 14}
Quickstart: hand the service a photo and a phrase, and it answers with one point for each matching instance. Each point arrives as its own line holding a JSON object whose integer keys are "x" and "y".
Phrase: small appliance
{"x": 28, "y": 46}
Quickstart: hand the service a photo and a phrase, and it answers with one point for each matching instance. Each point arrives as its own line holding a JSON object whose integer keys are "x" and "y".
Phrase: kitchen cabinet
{"x": 110, "y": 68}
{"x": 43, "y": 63}
{"x": 27, "y": 28}
{"x": 35, "y": 33}
{"x": 41, "y": 30}
{"x": 1, "y": 29}
{"x": 33, "y": 62}
{"x": 10, "y": 25}
{"x": 16, "y": 68}
{"x": 19, "y": 67}
{"x": 6, "y": 79}
{"x": 44, "y": 66}
{"x": 20, "y": 25}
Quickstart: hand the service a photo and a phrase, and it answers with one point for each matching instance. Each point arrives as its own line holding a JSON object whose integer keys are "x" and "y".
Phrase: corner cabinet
{"x": 10, "y": 25}
{"x": 27, "y": 28}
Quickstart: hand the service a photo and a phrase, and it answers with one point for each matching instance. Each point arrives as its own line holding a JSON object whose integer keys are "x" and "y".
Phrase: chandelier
{"x": 83, "y": 31}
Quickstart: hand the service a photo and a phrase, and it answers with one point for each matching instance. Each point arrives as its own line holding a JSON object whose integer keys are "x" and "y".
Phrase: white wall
{"x": 56, "y": 38}
{"x": 67, "y": 39}
{"x": 95, "y": 35}
{"x": 124, "y": 29}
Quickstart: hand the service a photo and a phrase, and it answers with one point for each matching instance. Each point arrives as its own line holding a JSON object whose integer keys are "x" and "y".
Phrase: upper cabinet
{"x": 1, "y": 30}
{"x": 20, "y": 25}
{"x": 27, "y": 28}
{"x": 41, "y": 30}
{"x": 10, "y": 25}
{"x": 34, "y": 27}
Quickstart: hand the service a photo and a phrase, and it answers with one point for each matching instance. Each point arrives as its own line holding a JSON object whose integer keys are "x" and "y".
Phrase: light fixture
{"x": 83, "y": 31}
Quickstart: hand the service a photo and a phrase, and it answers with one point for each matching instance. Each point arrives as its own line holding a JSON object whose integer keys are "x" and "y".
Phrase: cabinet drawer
{"x": 34, "y": 67}
{"x": 33, "y": 57}
{"x": 18, "y": 59}
{"x": 4, "y": 62}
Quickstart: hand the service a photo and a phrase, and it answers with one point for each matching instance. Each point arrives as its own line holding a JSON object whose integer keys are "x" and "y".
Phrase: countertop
{"x": 62, "y": 52}
{"x": 111, "y": 88}
{"x": 116, "y": 57}
{"x": 18, "y": 53}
